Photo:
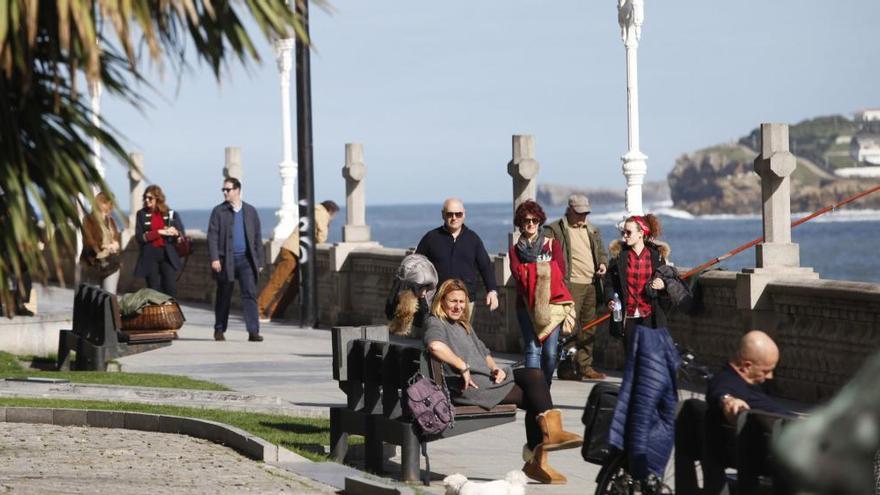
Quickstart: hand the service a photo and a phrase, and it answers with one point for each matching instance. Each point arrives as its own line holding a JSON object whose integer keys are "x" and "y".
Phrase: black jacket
{"x": 220, "y": 238}
{"x": 149, "y": 254}
{"x": 615, "y": 277}
{"x": 459, "y": 258}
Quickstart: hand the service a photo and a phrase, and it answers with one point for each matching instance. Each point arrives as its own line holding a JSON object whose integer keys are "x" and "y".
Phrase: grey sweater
{"x": 471, "y": 350}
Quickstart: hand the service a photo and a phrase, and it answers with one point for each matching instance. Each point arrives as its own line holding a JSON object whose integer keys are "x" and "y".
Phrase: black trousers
{"x": 531, "y": 394}
{"x": 162, "y": 276}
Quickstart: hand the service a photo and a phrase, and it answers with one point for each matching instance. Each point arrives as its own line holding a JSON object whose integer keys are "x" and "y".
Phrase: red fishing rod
{"x": 733, "y": 252}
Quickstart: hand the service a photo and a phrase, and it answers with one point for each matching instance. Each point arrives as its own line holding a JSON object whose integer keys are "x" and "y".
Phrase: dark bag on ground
{"x": 597, "y": 422}
{"x": 429, "y": 405}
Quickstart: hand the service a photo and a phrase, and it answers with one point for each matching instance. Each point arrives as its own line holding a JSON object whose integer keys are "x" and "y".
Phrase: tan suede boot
{"x": 555, "y": 438}
{"x": 539, "y": 469}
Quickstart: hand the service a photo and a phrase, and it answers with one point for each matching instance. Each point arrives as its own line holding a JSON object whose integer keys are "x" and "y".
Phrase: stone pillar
{"x": 355, "y": 232}
{"x": 523, "y": 169}
{"x": 776, "y": 258}
{"x": 136, "y": 186}
{"x": 232, "y": 165}
{"x": 630, "y": 16}
{"x": 355, "y": 172}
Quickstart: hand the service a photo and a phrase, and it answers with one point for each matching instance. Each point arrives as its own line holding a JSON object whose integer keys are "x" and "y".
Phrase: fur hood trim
{"x": 617, "y": 246}
{"x": 404, "y": 313}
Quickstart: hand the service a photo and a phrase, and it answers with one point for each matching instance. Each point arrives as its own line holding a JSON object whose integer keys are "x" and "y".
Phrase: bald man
{"x": 736, "y": 387}
{"x": 458, "y": 252}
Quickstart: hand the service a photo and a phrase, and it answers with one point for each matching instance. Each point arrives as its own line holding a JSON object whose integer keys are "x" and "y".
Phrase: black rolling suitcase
{"x": 597, "y": 422}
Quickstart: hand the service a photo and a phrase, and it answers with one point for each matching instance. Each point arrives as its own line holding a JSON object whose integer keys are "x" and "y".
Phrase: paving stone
{"x": 70, "y": 417}
{"x": 28, "y": 415}
{"x": 106, "y": 419}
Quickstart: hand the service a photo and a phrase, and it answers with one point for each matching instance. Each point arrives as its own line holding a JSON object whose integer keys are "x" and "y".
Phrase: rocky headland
{"x": 721, "y": 179}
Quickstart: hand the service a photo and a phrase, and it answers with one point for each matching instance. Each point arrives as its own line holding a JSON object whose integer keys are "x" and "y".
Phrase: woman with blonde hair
{"x": 475, "y": 379}
{"x": 101, "y": 244}
{"x": 157, "y": 229}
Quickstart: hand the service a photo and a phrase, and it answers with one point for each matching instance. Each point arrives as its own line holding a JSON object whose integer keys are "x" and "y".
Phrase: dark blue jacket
{"x": 149, "y": 254}
{"x": 220, "y": 238}
{"x": 458, "y": 258}
{"x": 644, "y": 416}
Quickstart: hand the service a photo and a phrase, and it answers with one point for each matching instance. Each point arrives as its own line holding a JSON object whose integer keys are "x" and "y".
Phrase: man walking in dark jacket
{"x": 458, "y": 252}
{"x": 585, "y": 264}
{"x": 236, "y": 249}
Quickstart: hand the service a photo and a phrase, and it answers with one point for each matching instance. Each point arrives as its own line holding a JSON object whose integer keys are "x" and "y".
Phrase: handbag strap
{"x": 183, "y": 268}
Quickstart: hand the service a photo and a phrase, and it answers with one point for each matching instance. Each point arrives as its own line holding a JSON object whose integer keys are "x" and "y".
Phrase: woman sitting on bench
{"x": 474, "y": 379}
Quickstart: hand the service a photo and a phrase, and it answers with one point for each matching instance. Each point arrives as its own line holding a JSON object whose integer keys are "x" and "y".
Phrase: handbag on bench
{"x": 431, "y": 410}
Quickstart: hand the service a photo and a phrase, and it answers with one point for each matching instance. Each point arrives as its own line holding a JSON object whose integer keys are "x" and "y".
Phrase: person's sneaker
{"x": 218, "y": 336}
{"x": 265, "y": 319}
{"x": 255, "y": 338}
{"x": 592, "y": 374}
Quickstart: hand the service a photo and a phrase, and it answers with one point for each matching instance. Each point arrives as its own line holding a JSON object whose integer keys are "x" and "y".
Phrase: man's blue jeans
{"x": 247, "y": 283}
{"x": 538, "y": 355}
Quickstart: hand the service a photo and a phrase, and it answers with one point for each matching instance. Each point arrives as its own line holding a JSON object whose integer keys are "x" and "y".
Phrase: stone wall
{"x": 825, "y": 330}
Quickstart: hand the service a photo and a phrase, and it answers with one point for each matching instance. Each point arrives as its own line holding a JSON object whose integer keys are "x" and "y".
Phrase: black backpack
{"x": 597, "y": 422}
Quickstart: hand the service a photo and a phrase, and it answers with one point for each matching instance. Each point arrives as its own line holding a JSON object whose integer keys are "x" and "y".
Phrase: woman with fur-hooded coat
{"x": 638, "y": 289}
{"x": 643, "y": 423}
{"x": 409, "y": 301}
{"x": 544, "y": 306}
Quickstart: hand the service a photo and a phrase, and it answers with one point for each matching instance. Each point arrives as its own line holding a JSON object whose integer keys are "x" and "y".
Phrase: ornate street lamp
{"x": 630, "y": 16}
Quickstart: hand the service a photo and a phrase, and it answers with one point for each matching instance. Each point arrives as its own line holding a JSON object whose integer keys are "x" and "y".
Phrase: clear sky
{"x": 434, "y": 91}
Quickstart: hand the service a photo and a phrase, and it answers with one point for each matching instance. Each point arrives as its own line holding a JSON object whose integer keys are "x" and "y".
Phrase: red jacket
{"x": 526, "y": 275}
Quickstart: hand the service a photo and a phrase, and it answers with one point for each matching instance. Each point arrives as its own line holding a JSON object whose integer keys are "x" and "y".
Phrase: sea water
{"x": 839, "y": 245}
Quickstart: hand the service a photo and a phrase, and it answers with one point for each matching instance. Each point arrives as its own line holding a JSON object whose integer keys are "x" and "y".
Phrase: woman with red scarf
{"x": 544, "y": 306}
{"x": 157, "y": 229}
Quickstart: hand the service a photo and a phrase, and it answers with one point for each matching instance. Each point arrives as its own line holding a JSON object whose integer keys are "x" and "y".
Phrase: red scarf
{"x": 156, "y": 223}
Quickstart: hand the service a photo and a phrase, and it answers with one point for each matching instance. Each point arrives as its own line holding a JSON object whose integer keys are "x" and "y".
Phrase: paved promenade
{"x": 45, "y": 459}
{"x": 292, "y": 368}
{"x": 294, "y": 364}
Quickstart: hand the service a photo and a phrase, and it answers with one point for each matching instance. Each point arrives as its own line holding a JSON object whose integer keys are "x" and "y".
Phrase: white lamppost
{"x": 287, "y": 215}
{"x": 95, "y": 90}
{"x": 630, "y": 15}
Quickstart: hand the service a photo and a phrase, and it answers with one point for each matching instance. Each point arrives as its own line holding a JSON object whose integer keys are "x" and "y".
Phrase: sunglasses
{"x": 527, "y": 221}
{"x": 626, "y": 233}
{"x": 149, "y": 198}
{"x": 227, "y": 189}
{"x": 456, "y": 214}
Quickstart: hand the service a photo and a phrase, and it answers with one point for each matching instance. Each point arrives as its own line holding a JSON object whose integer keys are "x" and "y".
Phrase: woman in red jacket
{"x": 543, "y": 306}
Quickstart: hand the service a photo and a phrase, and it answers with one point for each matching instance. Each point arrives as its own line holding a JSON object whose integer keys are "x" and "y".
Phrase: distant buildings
{"x": 865, "y": 147}
{"x": 867, "y": 114}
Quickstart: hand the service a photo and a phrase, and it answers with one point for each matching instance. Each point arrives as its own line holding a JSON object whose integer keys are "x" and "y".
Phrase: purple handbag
{"x": 429, "y": 405}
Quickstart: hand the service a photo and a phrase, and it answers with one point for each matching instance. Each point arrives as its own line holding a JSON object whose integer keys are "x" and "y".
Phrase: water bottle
{"x": 617, "y": 312}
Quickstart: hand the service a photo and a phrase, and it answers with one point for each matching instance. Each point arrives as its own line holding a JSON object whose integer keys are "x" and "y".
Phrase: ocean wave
{"x": 844, "y": 215}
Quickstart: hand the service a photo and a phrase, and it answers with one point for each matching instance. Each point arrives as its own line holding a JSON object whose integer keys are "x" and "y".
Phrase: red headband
{"x": 643, "y": 225}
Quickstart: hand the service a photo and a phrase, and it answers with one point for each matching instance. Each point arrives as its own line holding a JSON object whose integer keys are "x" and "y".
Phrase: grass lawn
{"x": 305, "y": 436}
{"x": 10, "y": 367}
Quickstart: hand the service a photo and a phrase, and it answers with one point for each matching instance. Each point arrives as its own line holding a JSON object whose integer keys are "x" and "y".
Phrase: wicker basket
{"x": 155, "y": 317}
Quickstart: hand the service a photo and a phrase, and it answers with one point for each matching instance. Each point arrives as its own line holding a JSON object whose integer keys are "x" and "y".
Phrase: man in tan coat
{"x": 585, "y": 263}
{"x": 281, "y": 289}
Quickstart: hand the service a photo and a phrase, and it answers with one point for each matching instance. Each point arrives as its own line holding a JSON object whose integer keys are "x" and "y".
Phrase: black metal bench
{"x": 374, "y": 374}
{"x": 748, "y": 450}
{"x": 96, "y": 336}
